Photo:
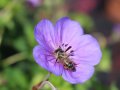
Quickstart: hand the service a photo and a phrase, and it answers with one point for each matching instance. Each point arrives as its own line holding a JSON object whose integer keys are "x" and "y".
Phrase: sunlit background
{"x": 18, "y": 69}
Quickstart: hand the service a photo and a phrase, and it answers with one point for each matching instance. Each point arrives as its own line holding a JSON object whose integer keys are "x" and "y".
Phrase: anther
{"x": 71, "y": 51}
{"x": 66, "y": 45}
{"x": 72, "y": 55}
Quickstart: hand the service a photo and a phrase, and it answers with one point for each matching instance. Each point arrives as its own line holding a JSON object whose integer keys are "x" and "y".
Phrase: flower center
{"x": 64, "y": 51}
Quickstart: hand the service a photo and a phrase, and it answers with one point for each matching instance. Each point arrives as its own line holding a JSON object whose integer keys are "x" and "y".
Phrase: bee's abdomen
{"x": 71, "y": 66}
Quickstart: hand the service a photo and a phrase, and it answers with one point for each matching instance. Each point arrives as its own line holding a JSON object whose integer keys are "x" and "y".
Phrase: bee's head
{"x": 58, "y": 51}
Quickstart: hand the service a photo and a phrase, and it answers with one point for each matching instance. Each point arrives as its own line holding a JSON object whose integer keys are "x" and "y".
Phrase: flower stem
{"x": 42, "y": 83}
{"x": 47, "y": 82}
{"x": 47, "y": 77}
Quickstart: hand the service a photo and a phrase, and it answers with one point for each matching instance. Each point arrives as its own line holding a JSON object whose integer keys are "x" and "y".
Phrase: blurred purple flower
{"x": 34, "y": 2}
{"x": 116, "y": 28}
{"x": 86, "y": 49}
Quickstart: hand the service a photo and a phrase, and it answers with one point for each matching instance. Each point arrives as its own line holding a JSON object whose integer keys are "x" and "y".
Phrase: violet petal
{"x": 87, "y": 50}
{"x": 46, "y": 60}
{"x": 44, "y": 33}
{"x": 66, "y": 29}
{"x": 83, "y": 72}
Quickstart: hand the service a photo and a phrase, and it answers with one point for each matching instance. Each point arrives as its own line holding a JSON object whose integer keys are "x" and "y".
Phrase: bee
{"x": 63, "y": 58}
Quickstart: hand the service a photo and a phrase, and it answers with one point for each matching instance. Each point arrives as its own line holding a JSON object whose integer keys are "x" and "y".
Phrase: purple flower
{"x": 34, "y": 2}
{"x": 67, "y": 37}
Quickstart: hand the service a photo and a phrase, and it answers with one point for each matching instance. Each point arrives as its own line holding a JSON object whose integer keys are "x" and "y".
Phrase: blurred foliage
{"x": 85, "y": 21}
{"x": 18, "y": 69}
{"x": 105, "y": 63}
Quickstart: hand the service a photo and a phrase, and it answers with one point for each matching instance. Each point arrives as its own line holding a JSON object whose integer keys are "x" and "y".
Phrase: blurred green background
{"x": 18, "y": 69}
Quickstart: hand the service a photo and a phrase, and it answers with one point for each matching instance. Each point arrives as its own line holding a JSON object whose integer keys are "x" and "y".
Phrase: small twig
{"x": 47, "y": 77}
{"x": 47, "y": 82}
{"x": 42, "y": 83}
{"x": 39, "y": 84}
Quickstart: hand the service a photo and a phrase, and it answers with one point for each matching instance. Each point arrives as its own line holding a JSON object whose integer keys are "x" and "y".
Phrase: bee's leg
{"x": 56, "y": 59}
{"x": 75, "y": 63}
{"x": 69, "y": 70}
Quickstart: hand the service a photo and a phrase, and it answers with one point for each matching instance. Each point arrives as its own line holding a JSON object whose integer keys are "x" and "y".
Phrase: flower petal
{"x": 66, "y": 30}
{"x": 87, "y": 50}
{"x": 83, "y": 73}
{"x": 44, "y": 33}
{"x": 46, "y": 60}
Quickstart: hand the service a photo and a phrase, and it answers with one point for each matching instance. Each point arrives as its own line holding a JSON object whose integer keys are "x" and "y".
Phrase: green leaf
{"x": 15, "y": 78}
{"x": 20, "y": 44}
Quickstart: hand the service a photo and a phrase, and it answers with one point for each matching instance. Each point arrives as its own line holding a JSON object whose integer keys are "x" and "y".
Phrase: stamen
{"x": 71, "y": 51}
{"x": 66, "y": 45}
{"x": 63, "y": 44}
{"x": 68, "y": 48}
{"x": 71, "y": 54}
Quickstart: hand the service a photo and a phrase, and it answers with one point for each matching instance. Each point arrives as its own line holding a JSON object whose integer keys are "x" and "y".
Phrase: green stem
{"x": 42, "y": 83}
{"x": 13, "y": 59}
